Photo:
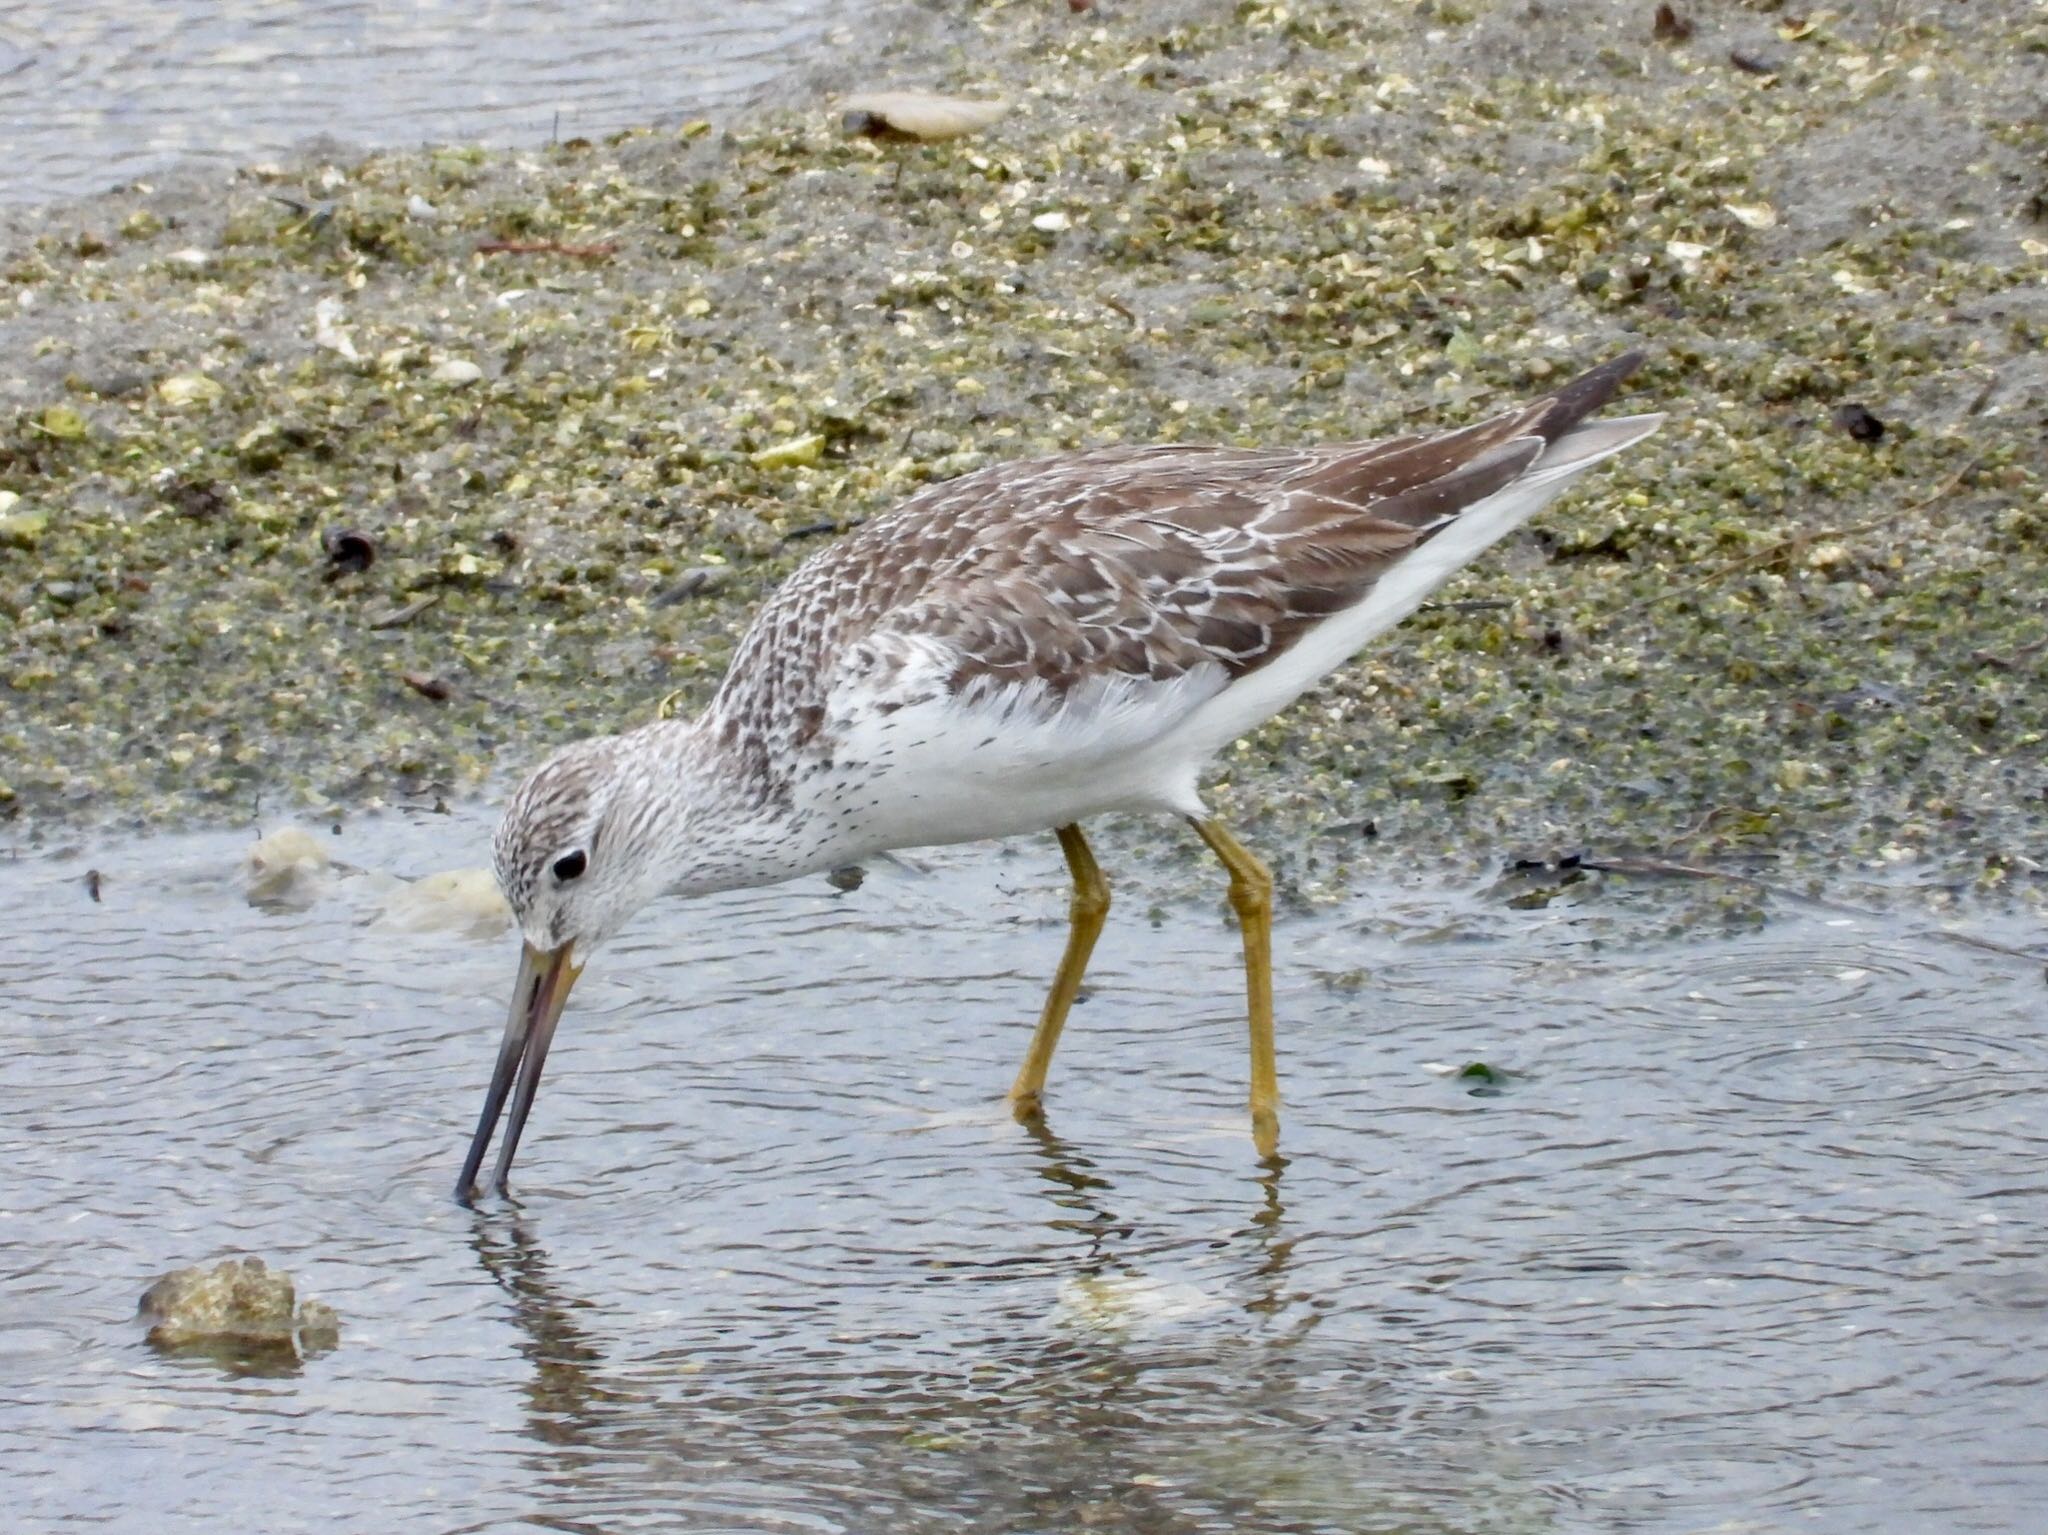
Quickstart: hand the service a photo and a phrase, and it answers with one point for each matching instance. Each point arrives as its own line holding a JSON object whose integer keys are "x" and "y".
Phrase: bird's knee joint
{"x": 1251, "y": 897}
{"x": 1089, "y": 905}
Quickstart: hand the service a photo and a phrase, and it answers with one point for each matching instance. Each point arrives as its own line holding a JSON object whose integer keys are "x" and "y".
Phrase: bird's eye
{"x": 570, "y": 865}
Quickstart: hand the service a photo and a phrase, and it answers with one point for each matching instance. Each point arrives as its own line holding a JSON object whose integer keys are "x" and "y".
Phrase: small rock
{"x": 457, "y": 371}
{"x": 1858, "y": 422}
{"x": 183, "y": 389}
{"x": 792, "y": 454}
{"x": 20, "y": 529}
{"x": 417, "y": 207}
{"x": 62, "y": 423}
{"x": 236, "y": 1307}
{"x": 191, "y": 256}
{"x": 328, "y": 331}
{"x": 1687, "y": 254}
{"x": 1670, "y": 27}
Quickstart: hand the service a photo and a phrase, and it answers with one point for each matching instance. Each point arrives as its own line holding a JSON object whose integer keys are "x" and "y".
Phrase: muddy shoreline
{"x": 311, "y": 505}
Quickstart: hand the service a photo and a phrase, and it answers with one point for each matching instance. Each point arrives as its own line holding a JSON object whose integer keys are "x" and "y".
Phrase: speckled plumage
{"x": 1021, "y": 649}
{"x": 1028, "y": 645}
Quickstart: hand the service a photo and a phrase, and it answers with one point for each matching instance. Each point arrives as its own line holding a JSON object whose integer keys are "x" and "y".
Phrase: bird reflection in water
{"x": 1019, "y": 1418}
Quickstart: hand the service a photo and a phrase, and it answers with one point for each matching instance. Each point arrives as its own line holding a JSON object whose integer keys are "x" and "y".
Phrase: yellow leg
{"x": 1085, "y": 917}
{"x": 1251, "y": 896}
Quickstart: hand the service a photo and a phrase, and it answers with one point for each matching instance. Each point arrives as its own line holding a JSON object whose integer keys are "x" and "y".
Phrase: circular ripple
{"x": 1906, "y": 1073}
{"x": 1788, "y": 980}
{"x": 1454, "y": 982}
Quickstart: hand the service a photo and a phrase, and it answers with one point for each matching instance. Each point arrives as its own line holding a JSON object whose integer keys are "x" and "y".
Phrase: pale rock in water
{"x": 465, "y": 901}
{"x": 285, "y": 868}
{"x": 1117, "y": 1303}
{"x": 237, "y": 1305}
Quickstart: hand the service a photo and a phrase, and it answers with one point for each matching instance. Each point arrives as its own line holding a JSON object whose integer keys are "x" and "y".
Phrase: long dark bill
{"x": 545, "y": 977}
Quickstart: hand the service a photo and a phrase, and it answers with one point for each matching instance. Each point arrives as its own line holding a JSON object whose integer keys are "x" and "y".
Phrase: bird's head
{"x": 570, "y": 852}
{"x": 576, "y": 856}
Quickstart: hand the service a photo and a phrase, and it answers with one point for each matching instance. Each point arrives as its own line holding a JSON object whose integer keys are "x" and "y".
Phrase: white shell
{"x": 922, "y": 115}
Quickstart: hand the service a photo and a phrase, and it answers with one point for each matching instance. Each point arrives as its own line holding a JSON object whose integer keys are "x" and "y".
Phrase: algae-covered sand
{"x": 319, "y": 505}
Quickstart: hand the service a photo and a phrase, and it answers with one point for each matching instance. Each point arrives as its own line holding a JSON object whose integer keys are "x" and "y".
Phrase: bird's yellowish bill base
{"x": 545, "y": 976}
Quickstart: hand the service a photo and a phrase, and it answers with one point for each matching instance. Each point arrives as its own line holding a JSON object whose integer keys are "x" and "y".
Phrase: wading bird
{"x": 1016, "y": 651}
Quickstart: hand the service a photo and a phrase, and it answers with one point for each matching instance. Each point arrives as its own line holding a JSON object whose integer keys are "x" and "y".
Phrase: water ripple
{"x": 1747, "y": 1230}
{"x": 238, "y": 80}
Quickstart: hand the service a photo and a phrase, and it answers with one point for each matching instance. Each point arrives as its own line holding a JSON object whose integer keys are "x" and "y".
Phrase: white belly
{"x": 941, "y": 771}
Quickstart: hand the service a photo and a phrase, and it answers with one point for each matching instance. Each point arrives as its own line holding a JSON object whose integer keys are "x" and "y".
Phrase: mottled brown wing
{"x": 1166, "y": 560}
{"x": 1146, "y": 562}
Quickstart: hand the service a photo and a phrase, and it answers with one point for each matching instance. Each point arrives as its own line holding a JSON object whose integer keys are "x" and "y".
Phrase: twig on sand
{"x": 406, "y": 614}
{"x": 2012, "y": 659}
{"x": 1470, "y": 605}
{"x": 1624, "y": 863}
{"x": 1792, "y": 544}
{"x": 599, "y": 251}
{"x": 1940, "y": 492}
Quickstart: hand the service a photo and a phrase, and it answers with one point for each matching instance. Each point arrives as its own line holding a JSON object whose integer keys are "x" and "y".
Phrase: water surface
{"x": 96, "y": 91}
{"x": 1750, "y": 1239}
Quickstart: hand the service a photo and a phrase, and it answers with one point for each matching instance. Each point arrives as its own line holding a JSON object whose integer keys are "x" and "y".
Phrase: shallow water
{"x": 1750, "y": 1238}
{"x": 95, "y": 91}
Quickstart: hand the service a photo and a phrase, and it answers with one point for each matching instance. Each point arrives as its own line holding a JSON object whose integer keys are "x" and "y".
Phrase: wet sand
{"x": 1770, "y": 639}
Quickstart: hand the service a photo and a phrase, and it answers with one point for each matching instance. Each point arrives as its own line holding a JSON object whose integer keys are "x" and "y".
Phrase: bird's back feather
{"x": 1028, "y": 581}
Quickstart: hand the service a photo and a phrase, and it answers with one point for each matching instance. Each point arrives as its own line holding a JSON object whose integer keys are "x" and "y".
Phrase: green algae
{"x": 1756, "y": 636}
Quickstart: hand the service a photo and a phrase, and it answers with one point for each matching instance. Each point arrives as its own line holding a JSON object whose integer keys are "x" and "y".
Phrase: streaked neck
{"x": 720, "y": 814}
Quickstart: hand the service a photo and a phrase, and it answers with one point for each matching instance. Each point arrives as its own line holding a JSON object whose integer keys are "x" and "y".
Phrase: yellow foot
{"x": 1266, "y": 1133}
